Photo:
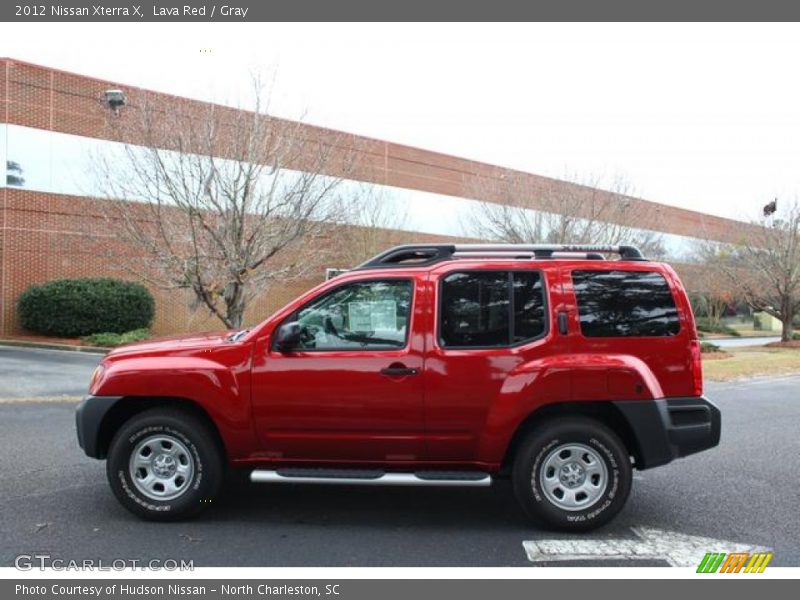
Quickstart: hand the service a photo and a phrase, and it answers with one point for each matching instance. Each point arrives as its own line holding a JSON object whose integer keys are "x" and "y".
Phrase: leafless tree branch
{"x": 765, "y": 265}
{"x": 581, "y": 214}
{"x": 224, "y": 202}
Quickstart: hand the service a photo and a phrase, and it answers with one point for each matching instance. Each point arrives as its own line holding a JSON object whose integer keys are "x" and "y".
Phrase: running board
{"x": 369, "y": 477}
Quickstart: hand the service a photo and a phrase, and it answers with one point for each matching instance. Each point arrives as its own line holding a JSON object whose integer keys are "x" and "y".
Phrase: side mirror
{"x": 288, "y": 336}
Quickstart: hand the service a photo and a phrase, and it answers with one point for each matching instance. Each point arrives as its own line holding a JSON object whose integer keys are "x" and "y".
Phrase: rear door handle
{"x": 563, "y": 324}
{"x": 399, "y": 371}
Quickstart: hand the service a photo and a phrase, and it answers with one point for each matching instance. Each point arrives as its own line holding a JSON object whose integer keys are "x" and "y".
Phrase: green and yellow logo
{"x": 735, "y": 562}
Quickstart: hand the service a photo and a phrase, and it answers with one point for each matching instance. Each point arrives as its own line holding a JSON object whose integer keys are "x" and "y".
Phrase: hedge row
{"x": 78, "y": 307}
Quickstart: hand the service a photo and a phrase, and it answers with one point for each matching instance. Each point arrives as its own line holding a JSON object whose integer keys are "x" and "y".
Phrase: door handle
{"x": 563, "y": 324}
{"x": 399, "y": 370}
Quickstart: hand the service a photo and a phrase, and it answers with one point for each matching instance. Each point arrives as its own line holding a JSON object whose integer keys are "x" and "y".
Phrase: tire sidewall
{"x": 202, "y": 487}
{"x": 527, "y": 479}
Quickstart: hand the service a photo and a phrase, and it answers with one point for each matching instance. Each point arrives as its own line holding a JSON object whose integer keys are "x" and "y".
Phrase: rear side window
{"x": 625, "y": 304}
{"x": 491, "y": 309}
{"x": 528, "y": 302}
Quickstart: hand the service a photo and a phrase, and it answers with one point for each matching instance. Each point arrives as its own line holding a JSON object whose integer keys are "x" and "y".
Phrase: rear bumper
{"x": 88, "y": 419}
{"x": 668, "y": 428}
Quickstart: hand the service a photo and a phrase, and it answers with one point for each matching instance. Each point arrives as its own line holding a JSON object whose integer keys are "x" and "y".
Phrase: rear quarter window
{"x": 625, "y": 304}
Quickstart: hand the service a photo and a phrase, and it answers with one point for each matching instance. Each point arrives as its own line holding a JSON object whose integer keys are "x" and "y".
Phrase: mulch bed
{"x": 789, "y": 344}
{"x": 716, "y": 355}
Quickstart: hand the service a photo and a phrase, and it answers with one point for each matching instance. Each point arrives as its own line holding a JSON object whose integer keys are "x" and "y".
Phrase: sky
{"x": 701, "y": 116}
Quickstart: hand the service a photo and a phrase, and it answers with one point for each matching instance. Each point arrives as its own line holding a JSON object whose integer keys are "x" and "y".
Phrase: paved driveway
{"x": 55, "y": 500}
{"x": 29, "y": 372}
{"x": 735, "y": 342}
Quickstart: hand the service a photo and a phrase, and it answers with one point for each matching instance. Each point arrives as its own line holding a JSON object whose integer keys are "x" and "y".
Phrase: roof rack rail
{"x": 427, "y": 254}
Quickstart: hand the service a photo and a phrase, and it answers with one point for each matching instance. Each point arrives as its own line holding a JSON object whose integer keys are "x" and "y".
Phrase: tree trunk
{"x": 234, "y": 305}
{"x": 788, "y": 330}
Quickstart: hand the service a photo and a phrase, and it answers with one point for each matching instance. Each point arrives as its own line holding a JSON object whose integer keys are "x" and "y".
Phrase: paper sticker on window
{"x": 372, "y": 316}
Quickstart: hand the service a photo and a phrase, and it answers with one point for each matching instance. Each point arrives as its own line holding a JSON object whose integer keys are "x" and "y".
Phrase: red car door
{"x": 351, "y": 391}
{"x": 491, "y": 319}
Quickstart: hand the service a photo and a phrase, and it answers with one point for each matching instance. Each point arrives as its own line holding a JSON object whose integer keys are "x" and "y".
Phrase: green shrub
{"x": 706, "y": 347}
{"x": 796, "y": 336}
{"x": 709, "y": 326}
{"x": 77, "y": 307}
{"x": 110, "y": 340}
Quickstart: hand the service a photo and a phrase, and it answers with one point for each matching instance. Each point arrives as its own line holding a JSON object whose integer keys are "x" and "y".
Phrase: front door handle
{"x": 398, "y": 370}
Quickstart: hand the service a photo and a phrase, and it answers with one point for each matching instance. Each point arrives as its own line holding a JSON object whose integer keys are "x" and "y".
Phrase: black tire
{"x": 540, "y": 445}
{"x": 204, "y": 451}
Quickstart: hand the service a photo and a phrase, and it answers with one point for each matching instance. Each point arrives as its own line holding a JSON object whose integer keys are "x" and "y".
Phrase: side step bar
{"x": 364, "y": 477}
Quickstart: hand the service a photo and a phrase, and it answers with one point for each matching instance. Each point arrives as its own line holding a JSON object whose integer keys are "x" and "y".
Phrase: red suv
{"x": 446, "y": 365}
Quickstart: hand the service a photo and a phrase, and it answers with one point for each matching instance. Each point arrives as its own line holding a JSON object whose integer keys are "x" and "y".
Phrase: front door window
{"x": 366, "y": 315}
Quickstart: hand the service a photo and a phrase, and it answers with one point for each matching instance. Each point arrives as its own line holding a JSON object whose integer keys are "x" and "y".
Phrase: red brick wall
{"x": 54, "y": 100}
{"x": 44, "y": 236}
{"x": 5, "y": 67}
{"x": 52, "y": 236}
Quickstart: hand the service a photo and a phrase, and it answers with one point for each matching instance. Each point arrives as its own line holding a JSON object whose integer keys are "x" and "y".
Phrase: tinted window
{"x": 476, "y": 308}
{"x": 624, "y": 303}
{"x": 368, "y": 315}
{"x": 529, "y": 315}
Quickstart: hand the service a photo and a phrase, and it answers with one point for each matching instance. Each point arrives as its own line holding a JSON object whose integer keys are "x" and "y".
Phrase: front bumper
{"x": 89, "y": 417}
{"x": 668, "y": 428}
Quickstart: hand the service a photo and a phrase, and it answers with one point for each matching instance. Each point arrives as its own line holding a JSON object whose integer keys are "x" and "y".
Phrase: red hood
{"x": 175, "y": 342}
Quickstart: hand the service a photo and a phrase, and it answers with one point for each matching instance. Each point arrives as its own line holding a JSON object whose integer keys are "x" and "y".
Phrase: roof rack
{"x": 428, "y": 254}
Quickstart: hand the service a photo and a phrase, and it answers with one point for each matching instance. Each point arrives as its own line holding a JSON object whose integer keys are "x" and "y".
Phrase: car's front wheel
{"x": 165, "y": 464}
{"x": 572, "y": 474}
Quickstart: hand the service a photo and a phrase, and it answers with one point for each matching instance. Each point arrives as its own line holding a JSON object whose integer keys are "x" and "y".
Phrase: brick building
{"x": 50, "y": 215}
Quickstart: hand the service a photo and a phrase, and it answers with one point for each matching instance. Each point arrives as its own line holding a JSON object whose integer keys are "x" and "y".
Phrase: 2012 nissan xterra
{"x": 440, "y": 364}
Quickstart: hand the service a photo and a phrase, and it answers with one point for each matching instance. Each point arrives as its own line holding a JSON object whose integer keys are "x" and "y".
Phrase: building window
{"x": 14, "y": 174}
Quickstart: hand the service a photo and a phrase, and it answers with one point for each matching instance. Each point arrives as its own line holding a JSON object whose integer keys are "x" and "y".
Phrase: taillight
{"x": 697, "y": 368}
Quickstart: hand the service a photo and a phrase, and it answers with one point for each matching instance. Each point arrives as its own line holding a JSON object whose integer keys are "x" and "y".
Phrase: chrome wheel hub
{"x": 161, "y": 467}
{"x": 573, "y": 476}
{"x": 164, "y": 466}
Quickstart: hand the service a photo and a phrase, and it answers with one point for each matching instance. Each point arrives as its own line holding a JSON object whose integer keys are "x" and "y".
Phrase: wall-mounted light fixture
{"x": 115, "y": 99}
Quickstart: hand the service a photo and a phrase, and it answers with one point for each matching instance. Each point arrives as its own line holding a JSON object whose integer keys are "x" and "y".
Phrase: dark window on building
{"x": 477, "y": 306}
{"x": 14, "y": 174}
{"x": 625, "y": 304}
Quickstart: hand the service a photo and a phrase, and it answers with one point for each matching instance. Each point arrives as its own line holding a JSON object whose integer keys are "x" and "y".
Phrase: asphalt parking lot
{"x": 36, "y": 373}
{"x": 55, "y": 500}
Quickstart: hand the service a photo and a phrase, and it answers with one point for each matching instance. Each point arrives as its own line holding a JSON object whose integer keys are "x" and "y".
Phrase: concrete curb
{"x": 52, "y": 346}
{"x": 41, "y": 400}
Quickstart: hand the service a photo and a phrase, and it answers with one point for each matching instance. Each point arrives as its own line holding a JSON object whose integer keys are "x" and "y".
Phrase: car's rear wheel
{"x": 572, "y": 474}
{"x": 165, "y": 464}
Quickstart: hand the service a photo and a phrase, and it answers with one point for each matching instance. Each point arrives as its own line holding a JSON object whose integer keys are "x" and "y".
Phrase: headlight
{"x": 96, "y": 377}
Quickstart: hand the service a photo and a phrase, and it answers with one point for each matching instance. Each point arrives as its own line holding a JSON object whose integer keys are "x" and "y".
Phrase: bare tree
{"x": 765, "y": 265}
{"x": 711, "y": 289}
{"x": 558, "y": 212}
{"x": 222, "y": 201}
{"x": 375, "y": 224}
